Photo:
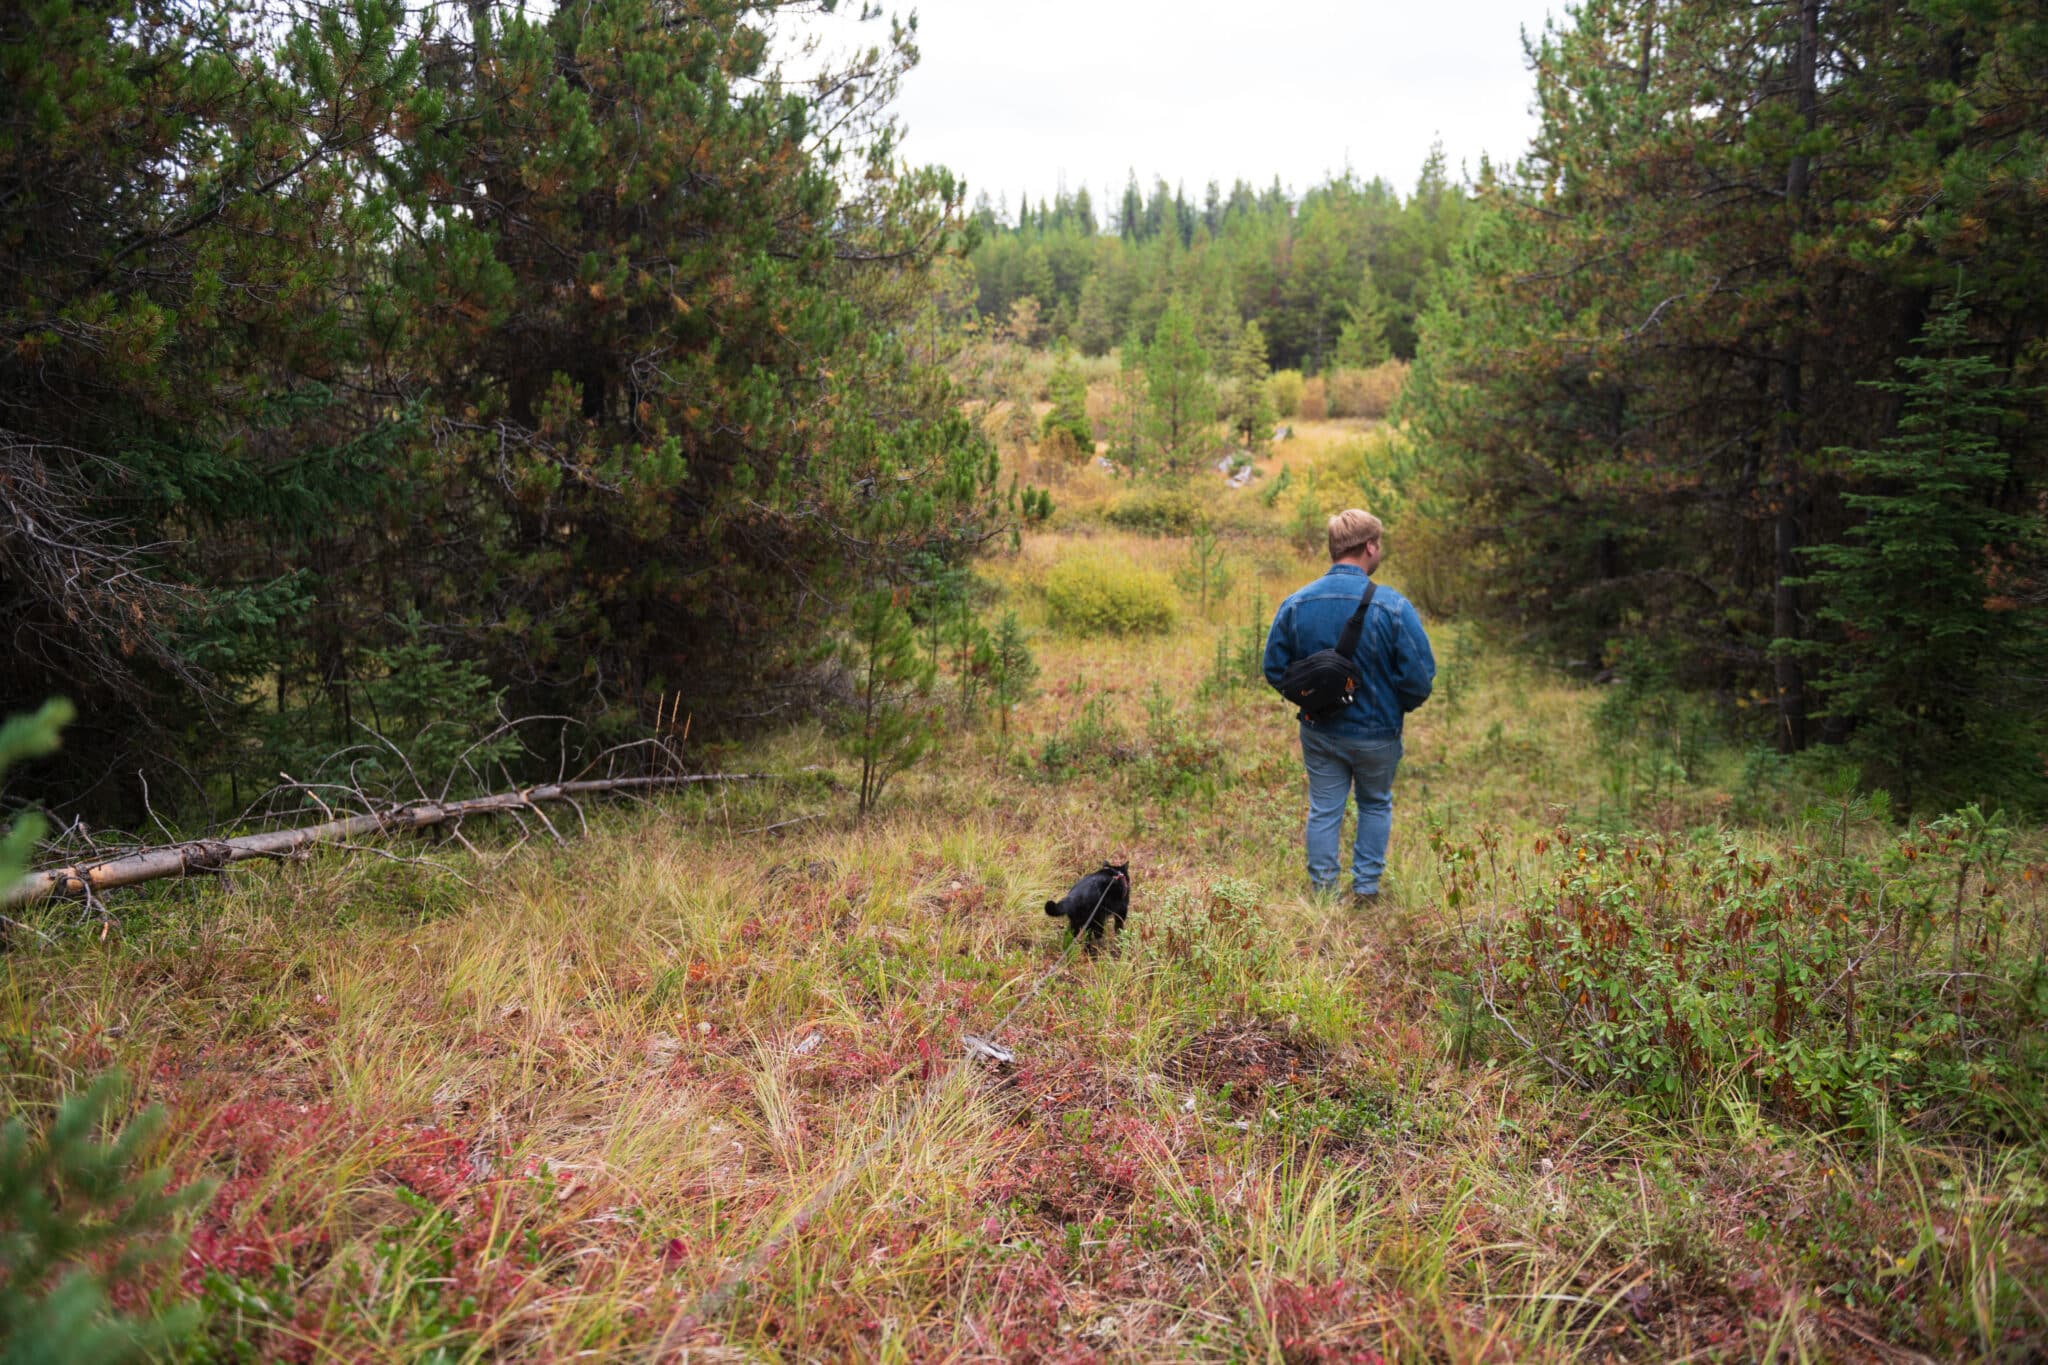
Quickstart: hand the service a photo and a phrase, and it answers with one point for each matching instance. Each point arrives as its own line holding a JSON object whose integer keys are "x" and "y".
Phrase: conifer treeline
{"x": 1741, "y": 374}
{"x": 1335, "y": 276}
{"x": 371, "y": 368}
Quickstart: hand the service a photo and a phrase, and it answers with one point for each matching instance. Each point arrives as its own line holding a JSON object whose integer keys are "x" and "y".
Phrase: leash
{"x": 716, "y": 1299}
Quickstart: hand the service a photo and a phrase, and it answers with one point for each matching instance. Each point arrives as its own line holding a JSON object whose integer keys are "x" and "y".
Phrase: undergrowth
{"x": 1620, "y": 1069}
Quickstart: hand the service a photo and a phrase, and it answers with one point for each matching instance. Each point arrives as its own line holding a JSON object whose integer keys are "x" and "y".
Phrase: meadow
{"x": 1660, "y": 1048}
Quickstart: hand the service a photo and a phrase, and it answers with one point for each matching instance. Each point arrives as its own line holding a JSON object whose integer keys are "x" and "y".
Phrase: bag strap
{"x": 1347, "y": 643}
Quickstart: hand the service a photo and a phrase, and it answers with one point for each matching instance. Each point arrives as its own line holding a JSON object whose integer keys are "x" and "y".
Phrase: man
{"x": 1358, "y": 747}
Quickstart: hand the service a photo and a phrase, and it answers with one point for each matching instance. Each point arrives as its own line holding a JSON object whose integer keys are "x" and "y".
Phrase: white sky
{"x": 1014, "y": 95}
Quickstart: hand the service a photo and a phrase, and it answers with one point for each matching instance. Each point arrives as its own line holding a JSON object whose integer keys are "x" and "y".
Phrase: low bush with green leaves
{"x": 1160, "y": 511}
{"x": 1831, "y": 983}
{"x": 1101, "y": 595}
{"x": 1283, "y": 389}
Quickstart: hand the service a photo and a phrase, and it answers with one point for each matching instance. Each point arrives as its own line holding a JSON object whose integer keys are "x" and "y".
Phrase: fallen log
{"x": 88, "y": 879}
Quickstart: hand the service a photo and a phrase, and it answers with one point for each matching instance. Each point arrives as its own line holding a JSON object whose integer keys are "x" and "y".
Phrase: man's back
{"x": 1393, "y": 652}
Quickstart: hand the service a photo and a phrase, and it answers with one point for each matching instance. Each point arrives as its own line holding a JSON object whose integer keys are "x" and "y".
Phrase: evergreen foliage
{"x": 1665, "y": 320}
{"x": 1304, "y": 269}
{"x": 891, "y": 722}
{"x": 578, "y": 333}
{"x": 1362, "y": 341}
{"x": 1180, "y": 410}
{"x": 22, "y": 737}
{"x": 1013, "y": 671}
{"x": 1933, "y": 655}
{"x": 1247, "y": 406}
{"x": 1068, "y": 391}
{"x": 1205, "y": 575}
{"x": 79, "y": 1221}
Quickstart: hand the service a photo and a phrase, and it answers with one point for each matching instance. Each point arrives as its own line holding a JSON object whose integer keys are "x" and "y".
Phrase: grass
{"x": 547, "y": 1117}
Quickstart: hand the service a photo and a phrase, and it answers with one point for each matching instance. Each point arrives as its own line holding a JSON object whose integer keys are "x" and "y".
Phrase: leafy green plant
{"x": 79, "y": 1223}
{"x": 1099, "y": 595}
{"x": 27, "y": 737}
{"x": 1825, "y": 984}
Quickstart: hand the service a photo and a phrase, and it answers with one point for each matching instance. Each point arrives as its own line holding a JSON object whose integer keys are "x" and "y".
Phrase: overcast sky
{"x": 1016, "y": 95}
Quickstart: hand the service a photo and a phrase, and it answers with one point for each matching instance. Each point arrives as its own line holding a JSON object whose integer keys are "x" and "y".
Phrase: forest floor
{"x": 688, "y": 1081}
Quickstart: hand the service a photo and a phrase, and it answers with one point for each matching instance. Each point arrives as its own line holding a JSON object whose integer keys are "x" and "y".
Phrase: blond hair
{"x": 1351, "y": 530}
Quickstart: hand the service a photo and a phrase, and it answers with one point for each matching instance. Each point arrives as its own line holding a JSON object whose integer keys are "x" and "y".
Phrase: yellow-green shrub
{"x": 1283, "y": 390}
{"x": 1161, "y": 511}
{"x": 1093, "y": 594}
{"x": 1366, "y": 393}
{"x": 1310, "y": 407}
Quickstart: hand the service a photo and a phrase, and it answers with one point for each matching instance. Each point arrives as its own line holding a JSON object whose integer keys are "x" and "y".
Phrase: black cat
{"x": 1095, "y": 900}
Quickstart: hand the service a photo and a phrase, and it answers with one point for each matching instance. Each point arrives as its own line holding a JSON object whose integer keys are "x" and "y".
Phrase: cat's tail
{"x": 1053, "y": 908}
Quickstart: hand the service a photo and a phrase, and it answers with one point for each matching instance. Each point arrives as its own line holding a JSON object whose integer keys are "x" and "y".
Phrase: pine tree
{"x": 892, "y": 723}
{"x": 1205, "y": 576}
{"x": 1012, "y": 669}
{"x": 1180, "y": 407}
{"x": 1936, "y": 655}
{"x": 1129, "y": 447}
{"x": 1641, "y": 439}
{"x": 1068, "y": 391}
{"x": 1248, "y": 408}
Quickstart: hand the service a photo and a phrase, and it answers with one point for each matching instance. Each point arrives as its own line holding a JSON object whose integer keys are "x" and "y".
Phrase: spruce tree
{"x": 1935, "y": 654}
{"x": 1362, "y": 341}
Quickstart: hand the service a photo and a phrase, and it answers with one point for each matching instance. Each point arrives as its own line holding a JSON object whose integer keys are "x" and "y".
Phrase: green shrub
{"x": 1091, "y": 743}
{"x": 1826, "y": 986}
{"x": 1283, "y": 388}
{"x": 1160, "y": 511}
{"x": 1098, "y": 595}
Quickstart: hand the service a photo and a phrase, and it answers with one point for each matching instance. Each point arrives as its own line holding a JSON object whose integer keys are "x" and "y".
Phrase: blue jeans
{"x": 1337, "y": 766}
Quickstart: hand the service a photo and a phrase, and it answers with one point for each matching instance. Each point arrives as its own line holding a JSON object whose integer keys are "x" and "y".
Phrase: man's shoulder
{"x": 1392, "y": 597}
{"x": 1329, "y": 585}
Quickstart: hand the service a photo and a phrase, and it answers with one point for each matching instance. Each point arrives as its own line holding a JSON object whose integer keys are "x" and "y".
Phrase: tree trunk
{"x": 1786, "y": 626}
{"x": 214, "y": 855}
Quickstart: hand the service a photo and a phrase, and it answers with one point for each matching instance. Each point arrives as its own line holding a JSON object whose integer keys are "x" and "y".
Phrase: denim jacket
{"x": 1393, "y": 652}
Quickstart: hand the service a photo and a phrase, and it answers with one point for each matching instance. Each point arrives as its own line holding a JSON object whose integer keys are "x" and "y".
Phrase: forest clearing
{"x": 579, "y": 627}
{"x": 542, "y": 1101}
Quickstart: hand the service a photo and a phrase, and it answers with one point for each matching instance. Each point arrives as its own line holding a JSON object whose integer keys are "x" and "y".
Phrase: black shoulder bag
{"x": 1328, "y": 680}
